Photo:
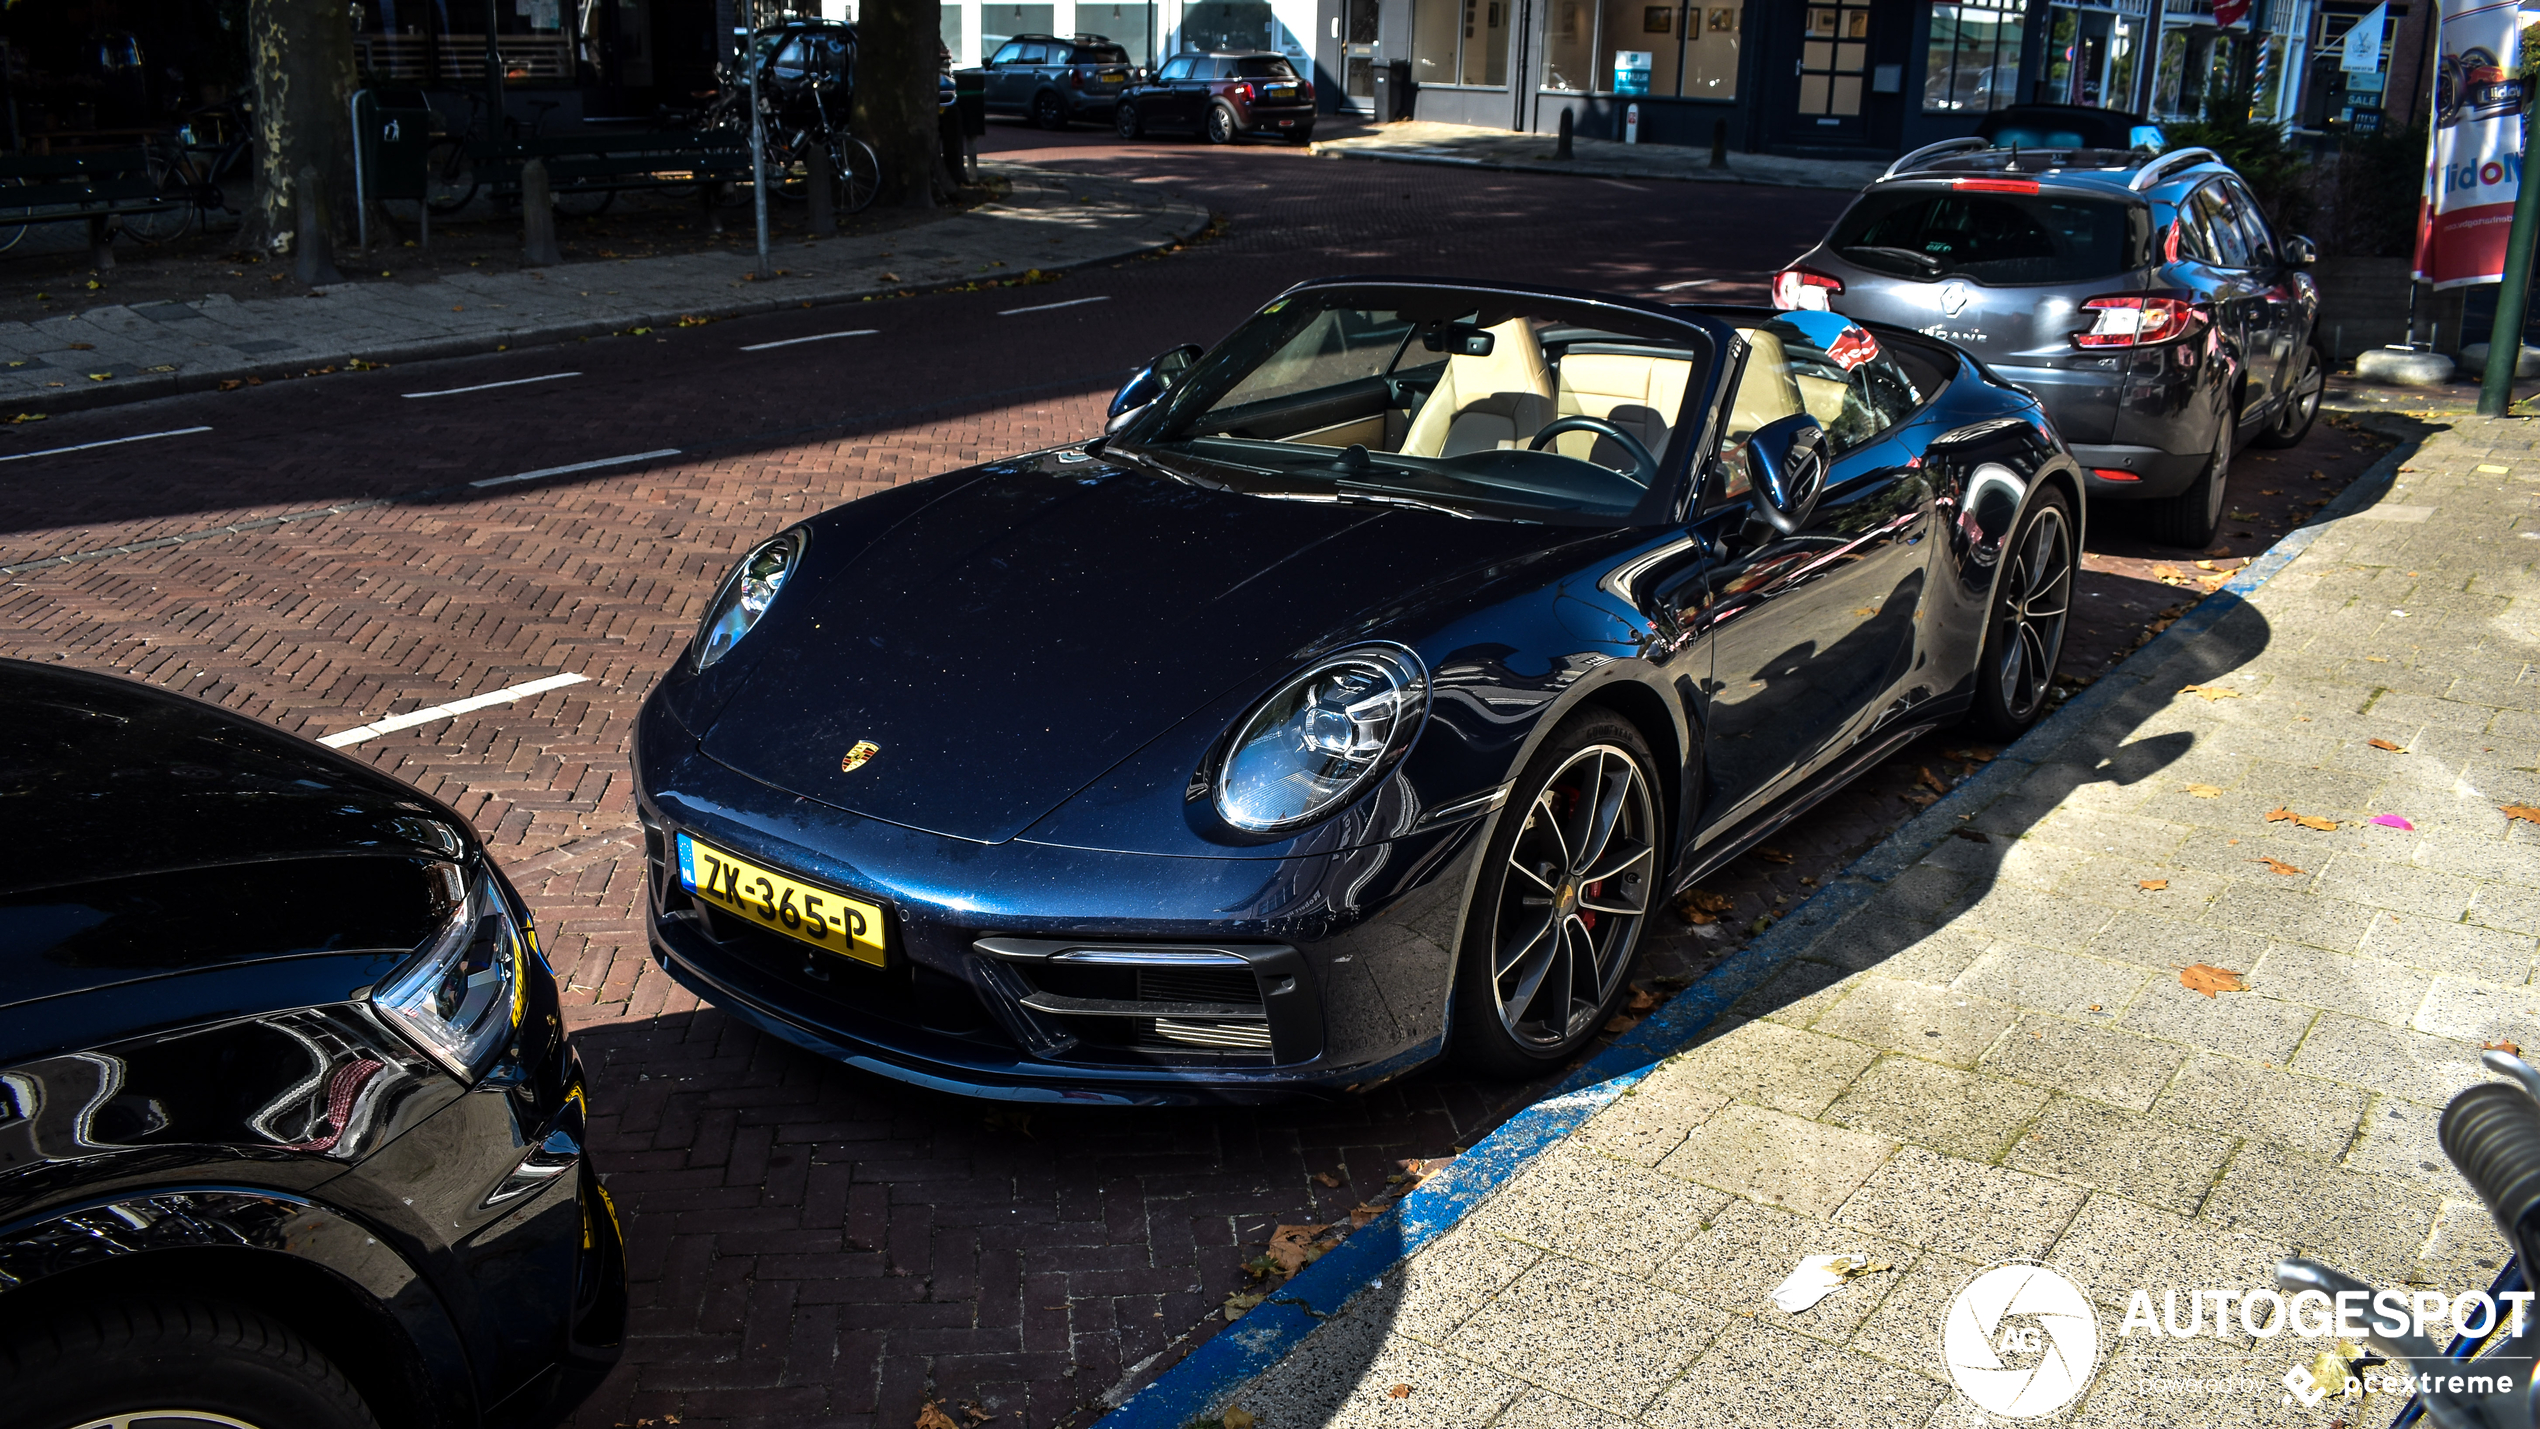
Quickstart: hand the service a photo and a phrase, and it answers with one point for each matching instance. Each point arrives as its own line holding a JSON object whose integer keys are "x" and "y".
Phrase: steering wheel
{"x": 1644, "y": 466}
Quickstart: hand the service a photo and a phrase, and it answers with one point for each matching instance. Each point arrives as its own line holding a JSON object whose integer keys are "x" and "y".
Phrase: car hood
{"x": 1008, "y": 643}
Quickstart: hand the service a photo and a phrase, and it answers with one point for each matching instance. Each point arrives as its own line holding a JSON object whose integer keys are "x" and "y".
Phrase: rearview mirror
{"x": 1786, "y": 471}
{"x": 1461, "y": 339}
{"x": 1147, "y": 384}
{"x": 2300, "y": 252}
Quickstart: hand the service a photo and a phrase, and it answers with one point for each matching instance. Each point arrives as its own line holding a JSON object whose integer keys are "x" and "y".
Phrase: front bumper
{"x": 1032, "y": 972}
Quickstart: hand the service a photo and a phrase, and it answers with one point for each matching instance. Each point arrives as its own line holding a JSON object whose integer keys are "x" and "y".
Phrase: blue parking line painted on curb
{"x": 1266, "y": 1335}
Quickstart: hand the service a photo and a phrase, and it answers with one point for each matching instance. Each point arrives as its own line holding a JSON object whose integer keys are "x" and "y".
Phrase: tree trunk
{"x": 301, "y": 54}
{"x": 895, "y": 99}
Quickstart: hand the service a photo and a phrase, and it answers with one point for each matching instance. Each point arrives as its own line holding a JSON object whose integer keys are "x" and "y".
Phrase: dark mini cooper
{"x": 290, "y": 1130}
{"x": 1223, "y": 96}
{"x": 1361, "y": 695}
{"x": 1052, "y": 79}
{"x": 2145, "y": 300}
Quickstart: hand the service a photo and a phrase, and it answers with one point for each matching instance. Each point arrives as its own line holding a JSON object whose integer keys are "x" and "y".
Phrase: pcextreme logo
{"x": 2021, "y": 1341}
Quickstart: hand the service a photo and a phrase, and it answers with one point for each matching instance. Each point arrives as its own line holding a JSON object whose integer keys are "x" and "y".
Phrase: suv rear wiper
{"x": 1928, "y": 263}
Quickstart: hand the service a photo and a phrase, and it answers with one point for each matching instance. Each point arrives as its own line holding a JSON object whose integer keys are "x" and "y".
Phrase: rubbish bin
{"x": 1394, "y": 91}
{"x": 395, "y": 126}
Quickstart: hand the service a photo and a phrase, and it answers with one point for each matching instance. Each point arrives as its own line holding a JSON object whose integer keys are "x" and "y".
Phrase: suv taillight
{"x": 2138, "y": 320}
{"x": 1804, "y": 288}
{"x": 1242, "y": 92}
{"x": 1075, "y": 79}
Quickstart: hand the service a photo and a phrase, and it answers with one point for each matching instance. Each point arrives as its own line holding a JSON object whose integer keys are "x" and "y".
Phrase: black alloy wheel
{"x": 1049, "y": 111}
{"x": 1223, "y": 127}
{"x": 2032, "y": 605}
{"x": 2301, "y": 401}
{"x": 1125, "y": 120}
{"x": 1570, "y": 873}
{"x": 177, "y": 1362}
{"x": 2190, "y": 518}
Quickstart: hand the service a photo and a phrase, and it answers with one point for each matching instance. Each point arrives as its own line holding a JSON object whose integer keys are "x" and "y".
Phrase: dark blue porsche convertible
{"x": 1359, "y": 696}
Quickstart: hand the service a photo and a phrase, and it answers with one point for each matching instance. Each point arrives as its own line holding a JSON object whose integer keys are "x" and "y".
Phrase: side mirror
{"x": 1786, "y": 471}
{"x": 1147, "y": 384}
{"x": 2147, "y": 136}
{"x": 2299, "y": 252}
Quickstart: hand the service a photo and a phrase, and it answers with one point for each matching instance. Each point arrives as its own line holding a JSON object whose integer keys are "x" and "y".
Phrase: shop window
{"x": 1226, "y": 25}
{"x": 1973, "y": 65}
{"x": 1710, "y": 62}
{"x": 2195, "y": 61}
{"x": 999, "y": 23}
{"x": 1834, "y": 52}
{"x": 1647, "y": 33}
{"x": 1691, "y": 49}
{"x": 1124, "y": 25}
{"x": 1460, "y": 42}
{"x": 948, "y": 25}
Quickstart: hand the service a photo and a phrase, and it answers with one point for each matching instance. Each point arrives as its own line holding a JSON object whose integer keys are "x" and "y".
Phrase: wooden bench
{"x": 100, "y": 186}
{"x": 606, "y": 160}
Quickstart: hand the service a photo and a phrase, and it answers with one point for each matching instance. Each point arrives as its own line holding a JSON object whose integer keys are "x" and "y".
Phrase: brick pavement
{"x": 812, "y": 1246}
{"x": 1422, "y": 141}
{"x": 1996, "y": 1056}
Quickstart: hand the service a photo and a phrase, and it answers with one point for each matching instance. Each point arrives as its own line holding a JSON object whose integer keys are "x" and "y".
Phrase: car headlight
{"x": 1321, "y": 738}
{"x": 463, "y": 995}
{"x": 746, "y": 595}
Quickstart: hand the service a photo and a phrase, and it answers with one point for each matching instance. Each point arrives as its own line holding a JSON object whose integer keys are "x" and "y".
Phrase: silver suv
{"x": 2143, "y": 299}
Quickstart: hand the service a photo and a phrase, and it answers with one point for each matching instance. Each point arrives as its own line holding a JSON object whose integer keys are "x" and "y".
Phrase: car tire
{"x": 1599, "y": 759}
{"x": 1125, "y": 120}
{"x": 2189, "y": 519}
{"x": 1049, "y": 111}
{"x": 2303, "y": 408}
{"x": 173, "y": 1362}
{"x": 1302, "y": 136}
{"x": 1223, "y": 127}
{"x": 2024, "y": 628}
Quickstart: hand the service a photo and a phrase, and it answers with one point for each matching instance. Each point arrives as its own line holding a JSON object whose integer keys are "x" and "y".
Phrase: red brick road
{"x": 811, "y": 1245}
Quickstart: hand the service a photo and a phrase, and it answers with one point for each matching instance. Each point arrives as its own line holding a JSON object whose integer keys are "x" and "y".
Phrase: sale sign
{"x": 2475, "y": 162}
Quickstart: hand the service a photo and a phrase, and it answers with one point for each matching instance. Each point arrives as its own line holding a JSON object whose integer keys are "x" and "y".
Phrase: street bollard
{"x": 818, "y": 170}
{"x": 1562, "y": 149}
{"x": 537, "y": 217}
{"x": 1719, "y": 143}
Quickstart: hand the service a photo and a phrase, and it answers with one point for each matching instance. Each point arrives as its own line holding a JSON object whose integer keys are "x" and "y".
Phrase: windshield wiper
{"x": 1386, "y": 496}
{"x": 1925, "y": 261}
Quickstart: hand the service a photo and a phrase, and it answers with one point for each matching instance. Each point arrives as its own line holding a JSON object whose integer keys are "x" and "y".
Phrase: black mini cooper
{"x": 290, "y": 1129}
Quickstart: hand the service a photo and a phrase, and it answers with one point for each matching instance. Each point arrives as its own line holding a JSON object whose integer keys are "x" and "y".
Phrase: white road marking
{"x": 1687, "y": 283}
{"x": 108, "y": 442}
{"x": 490, "y": 386}
{"x": 577, "y": 466}
{"x": 1618, "y": 183}
{"x": 1045, "y": 307}
{"x": 815, "y": 337}
{"x": 450, "y": 710}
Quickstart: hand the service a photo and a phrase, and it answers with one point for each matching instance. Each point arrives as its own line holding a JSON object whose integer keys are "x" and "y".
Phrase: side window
{"x": 1012, "y": 53}
{"x": 1036, "y": 54}
{"x": 1178, "y": 67}
{"x": 1767, "y": 391}
{"x": 1220, "y": 69}
{"x": 2253, "y": 224}
{"x": 2222, "y": 227}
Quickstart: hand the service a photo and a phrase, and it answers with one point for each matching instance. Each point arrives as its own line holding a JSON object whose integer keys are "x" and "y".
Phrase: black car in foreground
{"x": 1359, "y": 697}
{"x": 290, "y": 1129}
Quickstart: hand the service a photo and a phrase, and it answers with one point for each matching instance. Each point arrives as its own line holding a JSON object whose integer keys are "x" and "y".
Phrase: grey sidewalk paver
{"x": 1047, "y": 220}
{"x": 1422, "y": 141}
{"x": 1995, "y": 1056}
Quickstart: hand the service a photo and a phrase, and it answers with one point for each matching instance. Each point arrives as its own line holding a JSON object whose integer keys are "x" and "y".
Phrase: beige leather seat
{"x": 1766, "y": 392}
{"x": 1642, "y": 395}
{"x": 1482, "y": 403}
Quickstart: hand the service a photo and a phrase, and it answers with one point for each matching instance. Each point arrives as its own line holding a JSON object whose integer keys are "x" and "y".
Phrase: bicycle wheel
{"x": 449, "y": 175}
{"x": 10, "y": 233}
{"x": 859, "y": 174}
{"x": 175, "y": 184}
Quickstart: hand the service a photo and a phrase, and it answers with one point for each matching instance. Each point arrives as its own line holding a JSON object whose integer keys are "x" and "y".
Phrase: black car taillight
{"x": 1804, "y": 288}
{"x": 1242, "y": 92}
{"x": 1075, "y": 79}
{"x": 2139, "y": 320}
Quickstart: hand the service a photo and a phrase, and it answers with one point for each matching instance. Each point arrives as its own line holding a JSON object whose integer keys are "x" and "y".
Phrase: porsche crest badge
{"x": 864, "y": 749}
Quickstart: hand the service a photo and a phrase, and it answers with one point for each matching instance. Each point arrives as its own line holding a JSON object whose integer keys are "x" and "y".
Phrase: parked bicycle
{"x": 450, "y": 180}
{"x": 187, "y": 164}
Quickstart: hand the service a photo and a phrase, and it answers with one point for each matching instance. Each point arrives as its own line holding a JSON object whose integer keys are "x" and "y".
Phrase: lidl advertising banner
{"x": 2476, "y": 164}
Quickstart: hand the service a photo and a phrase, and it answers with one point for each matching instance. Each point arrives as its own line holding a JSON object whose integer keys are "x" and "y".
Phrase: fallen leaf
{"x": 2500, "y": 1047}
{"x": 1364, "y": 1212}
{"x": 1772, "y": 855}
{"x": 2262, "y": 491}
{"x": 1327, "y": 1178}
{"x": 1865, "y": 610}
{"x": 1700, "y": 906}
{"x": 2277, "y": 865}
{"x": 2524, "y": 812}
{"x": 2308, "y": 821}
{"x": 2151, "y": 885}
{"x": 2207, "y": 566}
{"x": 1642, "y": 999}
{"x": 2204, "y": 791}
{"x": 1972, "y": 836}
{"x": 2166, "y": 571}
{"x": 1237, "y": 1306}
{"x": 2208, "y": 979}
{"x": 1621, "y": 1022}
{"x": 930, "y": 1417}
{"x": 2385, "y": 744}
{"x": 2392, "y": 821}
{"x": 1399, "y": 1391}
{"x": 2210, "y": 693}
{"x": 1931, "y": 781}
{"x": 1973, "y": 754}
{"x": 1292, "y": 1248}
{"x": 1918, "y": 798}
{"x": 1238, "y": 1417}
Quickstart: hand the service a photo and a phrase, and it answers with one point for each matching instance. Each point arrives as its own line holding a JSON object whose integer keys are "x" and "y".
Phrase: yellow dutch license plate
{"x": 821, "y": 917}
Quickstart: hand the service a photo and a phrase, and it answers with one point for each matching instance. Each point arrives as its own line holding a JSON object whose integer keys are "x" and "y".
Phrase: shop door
{"x": 2077, "y": 58}
{"x": 1358, "y": 52}
{"x": 1834, "y": 64}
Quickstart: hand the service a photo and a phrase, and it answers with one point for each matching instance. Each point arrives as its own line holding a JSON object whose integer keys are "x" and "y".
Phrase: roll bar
{"x": 2153, "y": 172}
{"x": 1915, "y": 159}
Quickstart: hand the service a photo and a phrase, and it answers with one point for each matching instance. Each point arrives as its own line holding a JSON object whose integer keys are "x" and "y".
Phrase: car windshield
{"x": 1994, "y": 237}
{"x": 1499, "y": 406}
{"x": 1263, "y": 67}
